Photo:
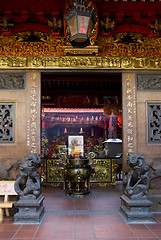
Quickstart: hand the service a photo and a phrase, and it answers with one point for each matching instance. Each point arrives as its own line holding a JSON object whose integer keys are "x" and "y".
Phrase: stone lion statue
{"x": 28, "y": 184}
{"x": 137, "y": 181}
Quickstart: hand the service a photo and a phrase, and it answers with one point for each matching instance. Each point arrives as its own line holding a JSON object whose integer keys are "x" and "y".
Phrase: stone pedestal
{"x": 31, "y": 210}
{"x": 136, "y": 210}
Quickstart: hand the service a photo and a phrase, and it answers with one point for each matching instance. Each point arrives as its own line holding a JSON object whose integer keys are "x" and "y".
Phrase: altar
{"x": 104, "y": 172}
{"x": 76, "y": 133}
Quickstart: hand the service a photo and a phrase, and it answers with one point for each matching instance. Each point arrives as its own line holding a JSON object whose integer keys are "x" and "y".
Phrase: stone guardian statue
{"x": 28, "y": 187}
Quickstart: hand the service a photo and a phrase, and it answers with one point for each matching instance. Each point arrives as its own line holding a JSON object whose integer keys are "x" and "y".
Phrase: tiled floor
{"x": 96, "y": 217}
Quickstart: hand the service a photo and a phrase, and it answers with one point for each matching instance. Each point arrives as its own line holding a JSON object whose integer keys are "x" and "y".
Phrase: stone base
{"x": 136, "y": 210}
{"x": 31, "y": 210}
{"x": 156, "y": 199}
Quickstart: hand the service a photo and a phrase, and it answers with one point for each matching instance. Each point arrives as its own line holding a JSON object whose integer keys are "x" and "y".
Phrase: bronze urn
{"x": 77, "y": 174}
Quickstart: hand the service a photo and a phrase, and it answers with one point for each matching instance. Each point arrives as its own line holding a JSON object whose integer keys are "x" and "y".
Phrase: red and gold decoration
{"x": 6, "y": 26}
{"x": 107, "y": 25}
{"x": 55, "y": 25}
{"x": 155, "y": 26}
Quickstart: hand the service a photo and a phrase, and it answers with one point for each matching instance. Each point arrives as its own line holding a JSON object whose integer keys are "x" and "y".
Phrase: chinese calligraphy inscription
{"x": 33, "y": 115}
{"x": 131, "y": 112}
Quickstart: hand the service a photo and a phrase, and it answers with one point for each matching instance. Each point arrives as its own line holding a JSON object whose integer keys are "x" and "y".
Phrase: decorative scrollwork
{"x": 63, "y": 158}
{"x": 154, "y": 122}
{"x": 7, "y": 119}
{"x": 80, "y": 62}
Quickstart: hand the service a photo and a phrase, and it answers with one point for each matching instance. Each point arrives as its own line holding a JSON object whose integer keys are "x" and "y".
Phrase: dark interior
{"x": 80, "y": 90}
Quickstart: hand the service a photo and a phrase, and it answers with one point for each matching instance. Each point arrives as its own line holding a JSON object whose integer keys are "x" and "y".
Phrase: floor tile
{"x": 6, "y": 234}
{"x": 24, "y": 234}
{"x": 29, "y": 228}
{"x": 81, "y": 219}
{"x": 44, "y": 234}
{"x": 145, "y": 238}
{"x": 146, "y": 233}
{"x": 104, "y": 234}
{"x": 123, "y": 234}
{"x": 64, "y": 235}
{"x": 10, "y": 227}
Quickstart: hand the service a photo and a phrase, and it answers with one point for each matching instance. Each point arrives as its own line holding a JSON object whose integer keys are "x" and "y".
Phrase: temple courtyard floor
{"x": 96, "y": 217}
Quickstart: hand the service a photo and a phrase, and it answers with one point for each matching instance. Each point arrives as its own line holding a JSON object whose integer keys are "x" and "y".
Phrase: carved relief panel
{"x": 12, "y": 81}
{"x": 7, "y": 121}
{"x": 149, "y": 82}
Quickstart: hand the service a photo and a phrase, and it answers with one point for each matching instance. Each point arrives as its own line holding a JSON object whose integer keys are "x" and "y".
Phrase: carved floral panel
{"x": 7, "y": 120}
{"x": 154, "y": 122}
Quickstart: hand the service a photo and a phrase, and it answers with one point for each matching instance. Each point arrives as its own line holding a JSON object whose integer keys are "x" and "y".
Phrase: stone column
{"x": 33, "y": 120}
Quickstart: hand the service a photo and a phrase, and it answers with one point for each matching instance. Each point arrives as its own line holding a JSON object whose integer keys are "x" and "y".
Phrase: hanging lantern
{"x": 79, "y": 22}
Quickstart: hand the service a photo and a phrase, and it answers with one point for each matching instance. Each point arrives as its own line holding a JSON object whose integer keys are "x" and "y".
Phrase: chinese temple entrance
{"x": 81, "y": 113}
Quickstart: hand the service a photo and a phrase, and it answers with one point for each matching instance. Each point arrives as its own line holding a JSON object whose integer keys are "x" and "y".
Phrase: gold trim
{"x": 86, "y": 62}
{"x": 90, "y": 50}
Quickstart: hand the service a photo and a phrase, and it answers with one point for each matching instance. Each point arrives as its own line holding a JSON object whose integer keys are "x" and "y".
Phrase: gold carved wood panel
{"x": 104, "y": 171}
{"x": 54, "y": 172}
{"x": 99, "y": 62}
{"x": 55, "y": 52}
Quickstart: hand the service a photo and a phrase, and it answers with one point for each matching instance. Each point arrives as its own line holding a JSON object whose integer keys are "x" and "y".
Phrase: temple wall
{"x": 151, "y": 150}
{"x": 135, "y": 124}
{"x": 27, "y": 118}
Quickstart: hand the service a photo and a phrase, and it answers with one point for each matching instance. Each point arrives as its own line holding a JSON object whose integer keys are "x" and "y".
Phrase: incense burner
{"x": 77, "y": 174}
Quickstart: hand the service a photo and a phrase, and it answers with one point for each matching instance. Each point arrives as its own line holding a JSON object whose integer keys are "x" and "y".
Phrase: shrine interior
{"x": 82, "y": 105}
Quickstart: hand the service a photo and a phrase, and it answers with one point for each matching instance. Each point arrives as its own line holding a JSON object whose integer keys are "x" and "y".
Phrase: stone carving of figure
{"x": 137, "y": 181}
{"x": 28, "y": 184}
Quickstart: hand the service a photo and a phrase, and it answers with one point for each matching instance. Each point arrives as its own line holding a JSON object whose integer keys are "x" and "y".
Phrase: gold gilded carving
{"x": 55, "y": 173}
{"x": 79, "y": 62}
{"x": 18, "y": 45}
{"x": 43, "y": 170}
{"x": 102, "y": 171}
{"x": 95, "y": 24}
{"x": 138, "y": 45}
{"x": 114, "y": 171}
{"x": 105, "y": 171}
{"x": 80, "y": 51}
{"x": 49, "y": 51}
